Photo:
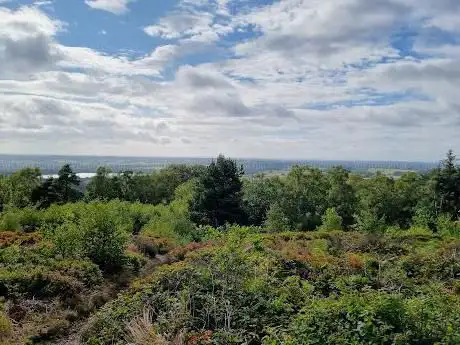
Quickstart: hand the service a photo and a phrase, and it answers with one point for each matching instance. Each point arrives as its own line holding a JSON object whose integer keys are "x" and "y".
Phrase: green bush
{"x": 10, "y": 221}
{"x": 68, "y": 240}
{"x": 105, "y": 237}
{"x": 380, "y": 319}
{"x": 447, "y": 227}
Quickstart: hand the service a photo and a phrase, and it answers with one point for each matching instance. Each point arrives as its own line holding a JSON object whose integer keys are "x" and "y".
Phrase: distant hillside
{"x": 89, "y": 164}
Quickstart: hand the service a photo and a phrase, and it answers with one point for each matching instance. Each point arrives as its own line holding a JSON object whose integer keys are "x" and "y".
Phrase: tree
{"x": 101, "y": 186}
{"x": 447, "y": 187}
{"x": 60, "y": 190}
{"x": 377, "y": 205}
{"x": 67, "y": 184}
{"x": 17, "y": 189}
{"x": 331, "y": 220}
{"x": 155, "y": 188}
{"x": 301, "y": 201}
{"x": 408, "y": 194}
{"x": 45, "y": 195}
{"x": 218, "y": 199}
{"x": 341, "y": 195}
{"x": 167, "y": 180}
{"x": 260, "y": 192}
{"x": 104, "y": 236}
{"x": 2, "y": 192}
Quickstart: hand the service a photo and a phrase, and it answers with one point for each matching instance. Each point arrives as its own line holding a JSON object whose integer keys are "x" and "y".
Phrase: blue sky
{"x": 327, "y": 79}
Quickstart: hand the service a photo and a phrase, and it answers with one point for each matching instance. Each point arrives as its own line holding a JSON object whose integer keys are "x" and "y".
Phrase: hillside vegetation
{"x": 204, "y": 255}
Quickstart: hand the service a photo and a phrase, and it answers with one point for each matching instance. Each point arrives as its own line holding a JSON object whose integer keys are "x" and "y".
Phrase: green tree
{"x": 408, "y": 194}
{"x": 341, "y": 195}
{"x": 67, "y": 185}
{"x": 101, "y": 186}
{"x": 167, "y": 180}
{"x": 2, "y": 192}
{"x": 260, "y": 192}
{"x": 301, "y": 202}
{"x": 17, "y": 189}
{"x": 218, "y": 199}
{"x": 155, "y": 188}
{"x": 45, "y": 195}
{"x": 447, "y": 187}
{"x": 377, "y": 205}
{"x": 331, "y": 220}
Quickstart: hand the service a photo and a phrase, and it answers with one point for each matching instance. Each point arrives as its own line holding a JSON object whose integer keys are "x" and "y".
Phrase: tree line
{"x": 305, "y": 199}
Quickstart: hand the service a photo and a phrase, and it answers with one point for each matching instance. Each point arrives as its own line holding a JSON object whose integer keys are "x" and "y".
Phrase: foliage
{"x": 331, "y": 220}
{"x": 301, "y": 203}
{"x": 16, "y": 190}
{"x": 218, "y": 199}
{"x": 447, "y": 187}
{"x": 295, "y": 288}
{"x": 446, "y": 226}
{"x": 61, "y": 190}
{"x": 376, "y": 318}
{"x": 104, "y": 236}
{"x": 341, "y": 195}
{"x": 171, "y": 249}
{"x": 260, "y": 192}
{"x": 155, "y": 188}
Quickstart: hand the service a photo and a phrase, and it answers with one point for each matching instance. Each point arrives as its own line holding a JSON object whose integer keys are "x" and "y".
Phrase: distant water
{"x": 50, "y": 165}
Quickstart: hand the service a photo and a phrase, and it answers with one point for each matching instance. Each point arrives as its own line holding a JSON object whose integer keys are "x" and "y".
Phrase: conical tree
{"x": 447, "y": 187}
{"x": 67, "y": 184}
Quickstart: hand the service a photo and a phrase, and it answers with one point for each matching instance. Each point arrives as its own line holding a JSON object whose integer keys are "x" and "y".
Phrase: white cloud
{"x": 180, "y": 25}
{"x": 117, "y": 7}
{"x": 26, "y": 22}
{"x": 27, "y": 41}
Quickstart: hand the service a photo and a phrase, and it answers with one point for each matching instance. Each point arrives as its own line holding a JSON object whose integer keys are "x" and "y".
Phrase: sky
{"x": 289, "y": 79}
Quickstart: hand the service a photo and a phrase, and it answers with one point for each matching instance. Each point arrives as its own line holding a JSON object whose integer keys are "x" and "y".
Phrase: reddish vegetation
{"x": 180, "y": 253}
{"x": 355, "y": 261}
{"x": 200, "y": 338}
{"x": 8, "y": 238}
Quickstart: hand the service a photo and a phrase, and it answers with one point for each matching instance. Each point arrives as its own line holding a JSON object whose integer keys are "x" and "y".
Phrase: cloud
{"x": 292, "y": 79}
{"x": 27, "y": 41}
{"x": 180, "y": 25}
{"x": 117, "y": 7}
{"x": 27, "y": 21}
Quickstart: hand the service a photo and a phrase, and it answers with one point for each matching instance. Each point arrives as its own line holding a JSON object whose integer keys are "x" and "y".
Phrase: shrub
{"x": 367, "y": 221}
{"x": 105, "y": 238}
{"x": 153, "y": 245}
{"x": 382, "y": 319}
{"x": 9, "y": 221}
{"x": 447, "y": 227}
{"x": 30, "y": 219}
{"x": 61, "y": 278}
{"x": 8, "y": 238}
{"x": 68, "y": 240}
